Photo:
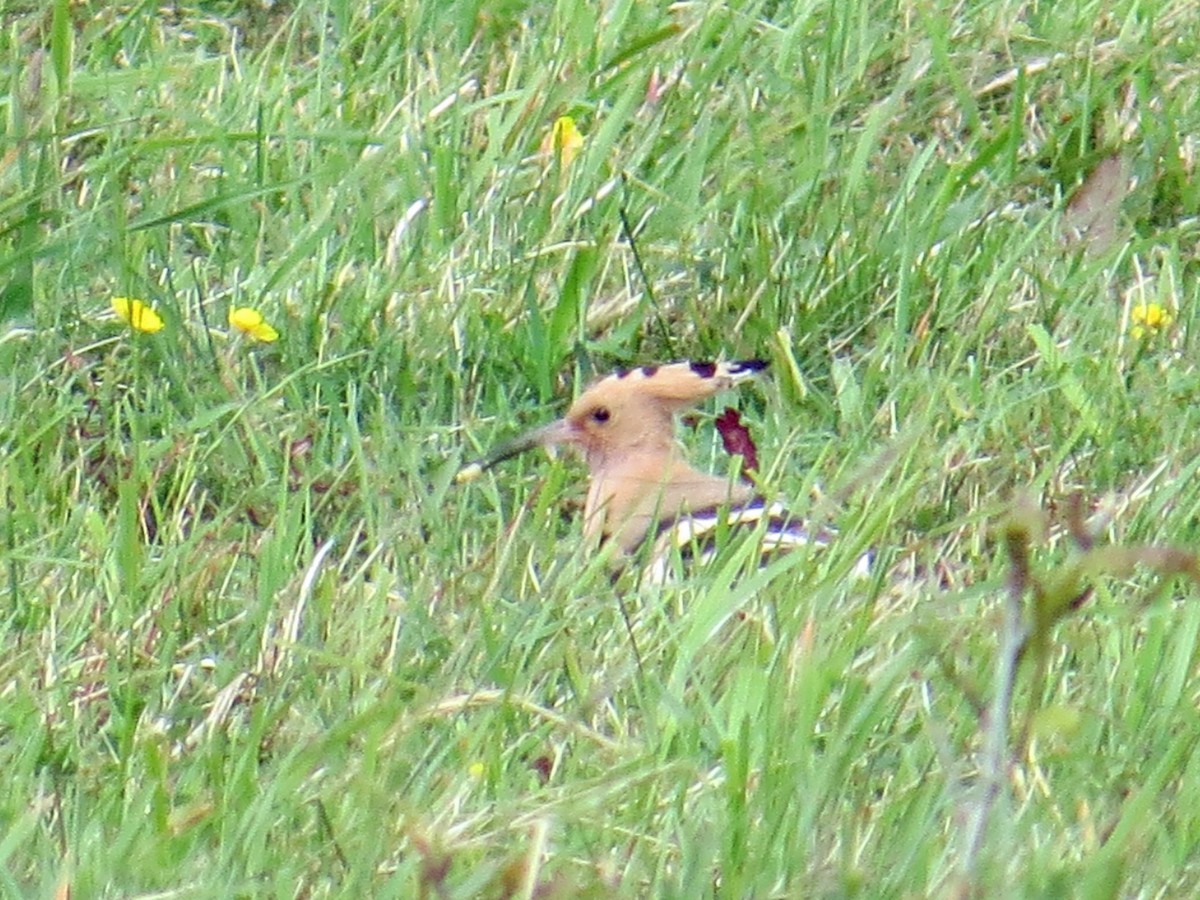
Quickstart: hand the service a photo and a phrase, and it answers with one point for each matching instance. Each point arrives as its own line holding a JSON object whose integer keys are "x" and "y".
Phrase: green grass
{"x": 255, "y": 642}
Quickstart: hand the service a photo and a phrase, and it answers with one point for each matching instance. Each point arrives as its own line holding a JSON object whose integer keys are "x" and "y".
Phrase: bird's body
{"x": 641, "y": 488}
{"x": 626, "y": 500}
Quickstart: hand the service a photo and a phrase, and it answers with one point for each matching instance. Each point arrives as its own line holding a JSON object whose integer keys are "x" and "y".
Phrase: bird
{"x": 641, "y": 488}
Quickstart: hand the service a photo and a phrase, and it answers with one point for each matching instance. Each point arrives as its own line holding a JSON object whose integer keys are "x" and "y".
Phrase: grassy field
{"x": 257, "y": 642}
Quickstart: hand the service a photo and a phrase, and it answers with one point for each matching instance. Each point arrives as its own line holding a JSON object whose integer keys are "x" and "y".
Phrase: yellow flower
{"x": 250, "y": 321}
{"x": 564, "y": 140}
{"x": 137, "y": 315}
{"x": 1147, "y": 319}
{"x": 475, "y": 770}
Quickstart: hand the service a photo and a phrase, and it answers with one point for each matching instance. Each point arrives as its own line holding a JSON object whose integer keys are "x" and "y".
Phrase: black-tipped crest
{"x": 747, "y": 366}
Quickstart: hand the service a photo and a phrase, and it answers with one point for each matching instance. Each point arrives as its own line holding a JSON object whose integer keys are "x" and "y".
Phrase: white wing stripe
{"x": 694, "y": 536}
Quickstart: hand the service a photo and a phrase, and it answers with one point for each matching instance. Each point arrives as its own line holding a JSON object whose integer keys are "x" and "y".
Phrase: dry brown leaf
{"x": 1091, "y": 215}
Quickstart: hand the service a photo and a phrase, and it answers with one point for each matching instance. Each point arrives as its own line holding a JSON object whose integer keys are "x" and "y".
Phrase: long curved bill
{"x": 555, "y": 433}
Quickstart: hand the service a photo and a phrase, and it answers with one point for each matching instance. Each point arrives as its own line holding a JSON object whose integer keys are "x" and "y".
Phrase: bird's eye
{"x": 601, "y": 414}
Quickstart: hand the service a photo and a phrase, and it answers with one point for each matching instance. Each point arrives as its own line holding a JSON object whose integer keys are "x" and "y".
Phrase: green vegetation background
{"x": 254, "y": 642}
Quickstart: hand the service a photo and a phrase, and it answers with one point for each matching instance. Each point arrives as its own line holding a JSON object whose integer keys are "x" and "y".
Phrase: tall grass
{"x": 256, "y": 640}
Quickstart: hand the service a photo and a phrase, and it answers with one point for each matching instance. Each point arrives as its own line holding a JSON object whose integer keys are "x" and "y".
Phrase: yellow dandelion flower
{"x": 1147, "y": 319}
{"x": 137, "y": 314}
{"x": 250, "y": 321}
{"x": 475, "y": 769}
{"x": 564, "y": 140}
{"x": 469, "y": 472}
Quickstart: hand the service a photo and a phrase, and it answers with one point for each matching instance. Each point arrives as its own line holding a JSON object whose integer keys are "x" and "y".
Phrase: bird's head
{"x": 630, "y": 411}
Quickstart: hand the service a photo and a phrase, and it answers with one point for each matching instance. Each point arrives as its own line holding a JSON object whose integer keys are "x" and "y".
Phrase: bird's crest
{"x": 677, "y": 385}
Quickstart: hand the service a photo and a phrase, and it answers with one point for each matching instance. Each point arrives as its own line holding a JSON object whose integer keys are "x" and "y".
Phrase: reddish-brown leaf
{"x": 544, "y": 767}
{"x": 736, "y": 438}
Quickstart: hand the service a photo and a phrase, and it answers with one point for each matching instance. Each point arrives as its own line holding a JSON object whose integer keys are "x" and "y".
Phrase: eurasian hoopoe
{"x": 640, "y": 486}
